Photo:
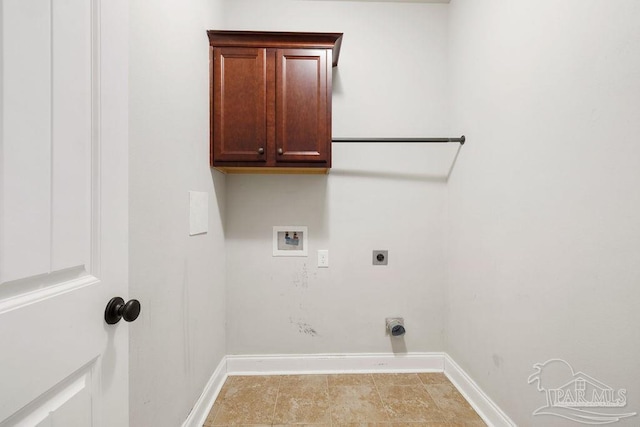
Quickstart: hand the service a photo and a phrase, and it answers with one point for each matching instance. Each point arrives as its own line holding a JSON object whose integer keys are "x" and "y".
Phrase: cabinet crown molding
{"x": 278, "y": 39}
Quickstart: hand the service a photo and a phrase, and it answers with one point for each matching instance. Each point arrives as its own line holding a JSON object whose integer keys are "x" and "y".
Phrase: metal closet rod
{"x": 460, "y": 140}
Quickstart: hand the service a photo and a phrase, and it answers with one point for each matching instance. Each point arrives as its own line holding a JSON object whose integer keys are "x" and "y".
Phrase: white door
{"x": 63, "y": 212}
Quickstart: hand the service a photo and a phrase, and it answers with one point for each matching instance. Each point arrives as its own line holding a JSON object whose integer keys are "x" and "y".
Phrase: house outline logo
{"x": 573, "y": 395}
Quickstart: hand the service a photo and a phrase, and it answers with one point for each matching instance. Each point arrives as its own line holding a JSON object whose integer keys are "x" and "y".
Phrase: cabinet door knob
{"x": 260, "y": 150}
{"x": 280, "y": 151}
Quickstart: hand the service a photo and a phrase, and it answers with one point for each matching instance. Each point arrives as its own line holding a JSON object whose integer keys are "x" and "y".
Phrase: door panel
{"x": 240, "y": 104}
{"x": 63, "y": 211}
{"x": 31, "y": 377}
{"x": 26, "y": 117}
{"x": 47, "y": 135}
{"x": 71, "y": 129}
{"x": 303, "y": 112}
{"x": 69, "y": 404}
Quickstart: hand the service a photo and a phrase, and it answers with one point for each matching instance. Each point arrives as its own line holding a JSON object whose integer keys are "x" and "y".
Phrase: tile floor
{"x": 387, "y": 400}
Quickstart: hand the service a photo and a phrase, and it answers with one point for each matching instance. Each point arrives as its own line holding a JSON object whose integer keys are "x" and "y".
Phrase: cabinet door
{"x": 303, "y": 112}
{"x": 239, "y": 105}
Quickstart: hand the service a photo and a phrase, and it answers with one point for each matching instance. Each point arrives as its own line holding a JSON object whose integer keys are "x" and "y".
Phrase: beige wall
{"x": 391, "y": 81}
{"x": 179, "y": 338}
{"x": 544, "y": 207}
{"x": 520, "y": 247}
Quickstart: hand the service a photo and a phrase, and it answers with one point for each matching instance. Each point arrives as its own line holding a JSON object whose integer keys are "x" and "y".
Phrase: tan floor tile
{"x": 350, "y": 380}
{"x": 444, "y": 392}
{"x": 361, "y": 425}
{"x": 352, "y": 400}
{"x": 433, "y": 378}
{"x": 351, "y": 404}
{"x": 468, "y": 423}
{"x": 212, "y": 416}
{"x": 409, "y": 404}
{"x": 254, "y": 380}
{"x": 453, "y": 405}
{"x": 315, "y": 381}
{"x": 245, "y": 425}
{"x": 238, "y": 384}
{"x": 226, "y": 388}
{"x": 247, "y": 405}
{"x": 396, "y": 379}
{"x": 425, "y": 424}
{"x": 301, "y": 425}
{"x": 307, "y": 404}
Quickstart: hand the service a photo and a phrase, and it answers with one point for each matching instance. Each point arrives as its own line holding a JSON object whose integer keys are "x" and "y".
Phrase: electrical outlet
{"x": 323, "y": 258}
{"x": 380, "y": 257}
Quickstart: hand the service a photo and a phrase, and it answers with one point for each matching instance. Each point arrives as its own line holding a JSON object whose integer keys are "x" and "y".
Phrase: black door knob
{"x": 117, "y": 309}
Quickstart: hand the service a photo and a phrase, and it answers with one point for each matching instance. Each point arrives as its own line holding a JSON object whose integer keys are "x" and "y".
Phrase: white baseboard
{"x": 484, "y": 406}
{"x": 201, "y": 409}
{"x": 347, "y": 363}
{"x": 334, "y": 363}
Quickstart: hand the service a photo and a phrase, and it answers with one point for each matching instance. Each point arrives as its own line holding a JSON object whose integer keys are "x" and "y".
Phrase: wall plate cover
{"x": 323, "y": 258}
{"x": 198, "y": 212}
{"x": 380, "y": 257}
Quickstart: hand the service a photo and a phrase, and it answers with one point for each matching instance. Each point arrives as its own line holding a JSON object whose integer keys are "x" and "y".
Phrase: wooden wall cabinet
{"x": 271, "y": 101}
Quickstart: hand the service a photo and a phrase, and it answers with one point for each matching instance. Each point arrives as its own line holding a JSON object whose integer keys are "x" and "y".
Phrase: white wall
{"x": 179, "y": 338}
{"x": 544, "y": 208}
{"x": 522, "y": 246}
{"x": 391, "y": 81}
